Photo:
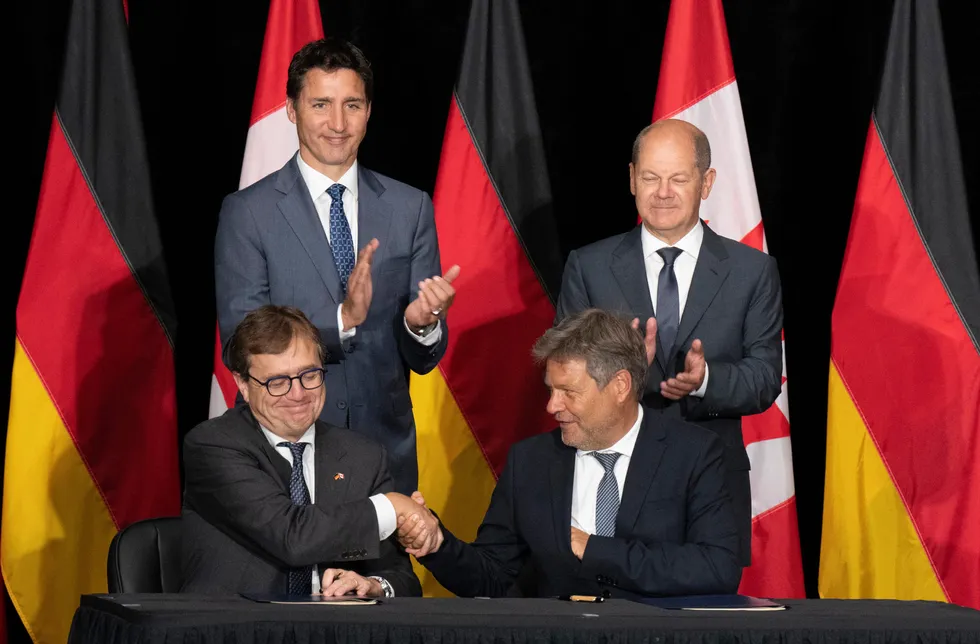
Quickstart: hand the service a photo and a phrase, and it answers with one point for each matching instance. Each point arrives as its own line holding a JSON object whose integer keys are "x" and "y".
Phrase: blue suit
{"x": 271, "y": 248}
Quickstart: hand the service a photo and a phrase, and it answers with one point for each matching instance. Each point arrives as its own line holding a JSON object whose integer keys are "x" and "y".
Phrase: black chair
{"x": 144, "y": 557}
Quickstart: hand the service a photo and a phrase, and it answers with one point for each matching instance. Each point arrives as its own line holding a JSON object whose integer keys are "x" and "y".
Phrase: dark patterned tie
{"x": 607, "y": 496}
{"x": 341, "y": 242}
{"x": 668, "y": 302}
{"x": 300, "y": 579}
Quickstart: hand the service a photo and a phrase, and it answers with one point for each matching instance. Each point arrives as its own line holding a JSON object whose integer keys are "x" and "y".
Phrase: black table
{"x": 182, "y": 619}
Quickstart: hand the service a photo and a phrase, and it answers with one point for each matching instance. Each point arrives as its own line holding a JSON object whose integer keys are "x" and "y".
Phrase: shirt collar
{"x": 274, "y": 440}
{"x": 689, "y": 243}
{"x": 317, "y": 183}
{"x": 625, "y": 444}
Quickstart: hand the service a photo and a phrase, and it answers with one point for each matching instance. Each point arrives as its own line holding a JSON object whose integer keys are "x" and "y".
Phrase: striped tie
{"x": 607, "y": 496}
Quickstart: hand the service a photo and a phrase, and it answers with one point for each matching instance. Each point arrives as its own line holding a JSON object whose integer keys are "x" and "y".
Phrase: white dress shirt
{"x": 690, "y": 247}
{"x": 589, "y": 472}
{"x": 317, "y": 183}
{"x": 387, "y": 521}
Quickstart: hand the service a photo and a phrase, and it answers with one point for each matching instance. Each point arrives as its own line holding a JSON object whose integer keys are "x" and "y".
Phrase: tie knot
{"x": 607, "y": 460}
{"x": 296, "y": 449}
{"x": 669, "y": 254}
{"x": 336, "y": 191}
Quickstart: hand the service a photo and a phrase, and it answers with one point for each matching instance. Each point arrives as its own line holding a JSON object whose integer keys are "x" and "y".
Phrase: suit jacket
{"x": 675, "y": 531}
{"x": 734, "y": 307}
{"x": 270, "y": 248}
{"x": 241, "y": 531}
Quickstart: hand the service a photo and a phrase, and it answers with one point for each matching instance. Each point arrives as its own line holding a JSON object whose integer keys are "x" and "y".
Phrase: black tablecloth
{"x": 182, "y": 619}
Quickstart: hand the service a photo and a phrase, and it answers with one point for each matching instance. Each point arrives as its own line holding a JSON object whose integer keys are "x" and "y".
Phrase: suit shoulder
{"x": 601, "y": 249}
{"x": 743, "y": 253}
{"x": 394, "y": 188}
{"x": 539, "y": 446}
{"x": 226, "y": 428}
{"x": 686, "y": 433}
{"x": 352, "y": 440}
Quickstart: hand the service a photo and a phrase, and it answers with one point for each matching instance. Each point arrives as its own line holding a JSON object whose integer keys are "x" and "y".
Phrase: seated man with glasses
{"x": 277, "y": 501}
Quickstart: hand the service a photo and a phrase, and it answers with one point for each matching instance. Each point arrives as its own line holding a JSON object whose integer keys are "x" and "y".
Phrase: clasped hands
{"x": 418, "y": 528}
{"x": 436, "y": 294}
{"x": 687, "y": 381}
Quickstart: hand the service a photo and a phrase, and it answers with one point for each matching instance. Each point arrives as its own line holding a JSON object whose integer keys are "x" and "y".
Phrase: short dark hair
{"x": 702, "y": 149}
{"x": 328, "y": 54}
{"x": 270, "y": 329}
{"x": 607, "y": 342}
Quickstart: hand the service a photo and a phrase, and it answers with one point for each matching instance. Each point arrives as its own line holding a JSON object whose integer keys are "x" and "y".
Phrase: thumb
{"x": 452, "y": 273}
{"x": 418, "y": 498}
{"x": 652, "y": 327}
{"x": 697, "y": 348}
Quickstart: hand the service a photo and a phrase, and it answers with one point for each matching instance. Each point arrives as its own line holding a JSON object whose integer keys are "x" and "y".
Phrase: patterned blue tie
{"x": 668, "y": 302}
{"x": 341, "y": 242}
{"x": 607, "y": 496}
{"x": 300, "y": 579}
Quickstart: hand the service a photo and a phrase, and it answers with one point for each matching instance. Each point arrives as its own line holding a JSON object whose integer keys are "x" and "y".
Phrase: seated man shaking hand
{"x": 277, "y": 501}
{"x": 615, "y": 501}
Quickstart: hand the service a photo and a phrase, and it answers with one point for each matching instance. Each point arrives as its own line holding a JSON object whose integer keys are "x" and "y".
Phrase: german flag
{"x": 92, "y": 431}
{"x": 902, "y": 509}
{"x": 493, "y": 217}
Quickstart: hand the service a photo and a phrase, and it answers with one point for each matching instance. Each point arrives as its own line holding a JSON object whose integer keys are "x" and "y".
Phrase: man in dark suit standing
{"x": 617, "y": 500}
{"x": 276, "y": 501}
{"x": 718, "y": 352}
{"x": 291, "y": 239}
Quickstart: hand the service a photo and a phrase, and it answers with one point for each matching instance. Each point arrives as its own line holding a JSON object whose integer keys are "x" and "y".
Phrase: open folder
{"x": 277, "y": 598}
{"x": 712, "y": 602}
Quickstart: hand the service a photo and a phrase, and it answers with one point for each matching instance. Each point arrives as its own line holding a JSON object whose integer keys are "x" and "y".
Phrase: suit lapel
{"x": 297, "y": 208}
{"x": 332, "y": 478}
{"x": 373, "y": 216}
{"x": 255, "y": 435}
{"x": 644, "y": 463}
{"x": 629, "y": 269}
{"x": 562, "y": 476}
{"x": 709, "y": 274}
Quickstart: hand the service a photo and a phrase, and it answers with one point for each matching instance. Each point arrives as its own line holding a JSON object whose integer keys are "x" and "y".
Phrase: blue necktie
{"x": 668, "y": 302}
{"x": 300, "y": 579}
{"x": 341, "y": 242}
{"x": 607, "y": 496}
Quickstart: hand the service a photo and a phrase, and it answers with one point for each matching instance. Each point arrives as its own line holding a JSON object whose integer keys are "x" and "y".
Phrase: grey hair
{"x": 606, "y": 342}
{"x": 702, "y": 149}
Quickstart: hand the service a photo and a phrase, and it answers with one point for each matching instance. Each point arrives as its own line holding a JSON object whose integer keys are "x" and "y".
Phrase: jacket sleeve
{"x": 488, "y": 566}
{"x": 752, "y": 384}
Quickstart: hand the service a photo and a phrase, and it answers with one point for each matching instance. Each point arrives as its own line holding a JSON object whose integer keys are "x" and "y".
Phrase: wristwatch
{"x": 385, "y": 586}
{"x": 426, "y": 330}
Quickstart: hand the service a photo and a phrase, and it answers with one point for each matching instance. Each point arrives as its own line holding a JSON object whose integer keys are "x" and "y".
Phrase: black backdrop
{"x": 807, "y": 73}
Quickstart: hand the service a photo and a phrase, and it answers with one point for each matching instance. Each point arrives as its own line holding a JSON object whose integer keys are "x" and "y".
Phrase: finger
{"x": 428, "y": 303}
{"x": 688, "y": 379}
{"x": 367, "y": 253}
{"x": 418, "y": 498}
{"x": 452, "y": 273}
{"x": 671, "y": 393}
{"x": 680, "y": 385}
{"x": 635, "y": 323}
{"x": 652, "y": 328}
{"x": 697, "y": 348}
{"x": 442, "y": 289}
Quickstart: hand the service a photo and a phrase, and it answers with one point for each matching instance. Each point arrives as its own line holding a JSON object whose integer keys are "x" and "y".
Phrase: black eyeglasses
{"x": 280, "y": 385}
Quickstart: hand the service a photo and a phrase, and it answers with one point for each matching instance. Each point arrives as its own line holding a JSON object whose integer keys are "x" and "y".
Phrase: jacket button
{"x": 349, "y": 348}
{"x": 341, "y": 404}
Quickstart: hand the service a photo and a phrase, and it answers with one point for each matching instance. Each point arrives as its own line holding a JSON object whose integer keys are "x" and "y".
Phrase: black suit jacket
{"x": 734, "y": 307}
{"x": 675, "y": 531}
{"x": 242, "y": 532}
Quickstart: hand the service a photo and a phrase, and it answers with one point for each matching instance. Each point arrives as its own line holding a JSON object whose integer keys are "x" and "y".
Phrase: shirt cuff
{"x": 387, "y": 521}
{"x": 429, "y": 340}
{"x": 704, "y": 384}
{"x": 344, "y": 335}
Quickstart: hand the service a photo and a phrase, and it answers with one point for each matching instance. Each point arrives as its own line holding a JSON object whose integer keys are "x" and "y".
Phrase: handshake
{"x": 418, "y": 528}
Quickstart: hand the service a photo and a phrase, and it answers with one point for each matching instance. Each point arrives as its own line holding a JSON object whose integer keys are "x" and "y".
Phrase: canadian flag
{"x": 697, "y": 84}
{"x": 271, "y": 138}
